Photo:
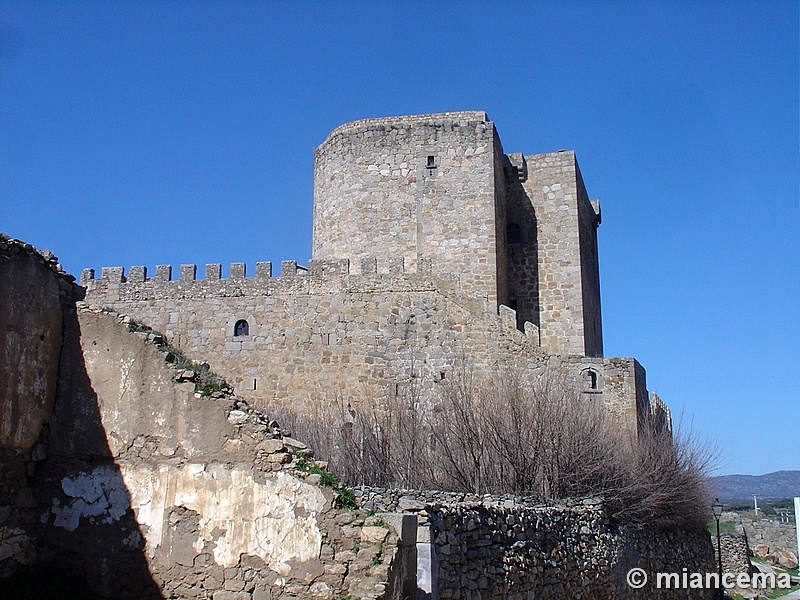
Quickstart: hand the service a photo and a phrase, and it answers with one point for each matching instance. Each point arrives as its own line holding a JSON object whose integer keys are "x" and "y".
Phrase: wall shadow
{"x": 88, "y": 543}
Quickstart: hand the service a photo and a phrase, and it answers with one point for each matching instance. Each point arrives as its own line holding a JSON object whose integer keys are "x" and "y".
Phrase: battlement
{"x": 459, "y": 117}
{"x": 289, "y": 269}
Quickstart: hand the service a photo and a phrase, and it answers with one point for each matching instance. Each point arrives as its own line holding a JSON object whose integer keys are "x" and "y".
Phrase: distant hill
{"x": 780, "y": 484}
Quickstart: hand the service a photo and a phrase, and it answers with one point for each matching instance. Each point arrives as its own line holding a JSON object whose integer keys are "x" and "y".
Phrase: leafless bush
{"x": 532, "y": 434}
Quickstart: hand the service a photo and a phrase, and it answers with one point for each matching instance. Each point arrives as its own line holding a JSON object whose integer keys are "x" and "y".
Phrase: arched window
{"x": 242, "y": 327}
{"x": 513, "y": 234}
{"x": 592, "y": 380}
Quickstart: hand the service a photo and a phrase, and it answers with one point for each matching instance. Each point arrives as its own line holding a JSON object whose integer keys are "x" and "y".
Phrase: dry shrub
{"x": 532, "y": 435}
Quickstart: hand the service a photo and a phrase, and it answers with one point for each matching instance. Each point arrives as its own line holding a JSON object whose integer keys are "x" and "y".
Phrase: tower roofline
{"x": 363, "y": 124}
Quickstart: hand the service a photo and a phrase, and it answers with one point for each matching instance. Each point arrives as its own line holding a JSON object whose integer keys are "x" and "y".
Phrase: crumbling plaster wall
{"x": 201, "y": 492}
{"x": 35, "y": 292}
{"x": 120, "y": 480}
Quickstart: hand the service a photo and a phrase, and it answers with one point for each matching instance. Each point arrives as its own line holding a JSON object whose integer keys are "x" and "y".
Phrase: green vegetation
{"x": 206, "y": 382}
{"x": 345, "y": 498}
{"x": 724, "y": 527}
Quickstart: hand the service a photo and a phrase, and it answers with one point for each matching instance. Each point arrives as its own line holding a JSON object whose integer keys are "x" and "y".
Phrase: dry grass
{"x": 532, "y": 435}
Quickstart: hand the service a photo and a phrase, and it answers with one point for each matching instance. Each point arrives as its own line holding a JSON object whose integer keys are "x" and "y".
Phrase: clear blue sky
{"x": 172, "y": 132}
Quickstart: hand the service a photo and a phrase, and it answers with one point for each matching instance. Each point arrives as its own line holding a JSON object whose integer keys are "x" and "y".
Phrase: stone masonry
{"x": 122, "y": 477}
{"x": 430, "y": 246}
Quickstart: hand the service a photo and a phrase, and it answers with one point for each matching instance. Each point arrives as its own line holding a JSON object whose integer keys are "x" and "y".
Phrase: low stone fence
{"x": 735, "y": 553}
{"x": 772, "y": 541}
{"x": 480, "y": 547}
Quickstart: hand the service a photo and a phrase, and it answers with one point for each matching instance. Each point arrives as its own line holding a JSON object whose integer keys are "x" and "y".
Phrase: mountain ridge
{"x": 776, "y": 485}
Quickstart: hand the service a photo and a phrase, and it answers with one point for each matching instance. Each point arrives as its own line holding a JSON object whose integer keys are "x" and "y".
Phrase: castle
{"x": 430, "y": 246}
{"x": 433, "y": 250}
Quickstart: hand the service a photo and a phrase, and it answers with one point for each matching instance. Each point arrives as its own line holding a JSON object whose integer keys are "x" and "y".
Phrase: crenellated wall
{"x": 325, "y": 332}
{"x": 430, "y": 245}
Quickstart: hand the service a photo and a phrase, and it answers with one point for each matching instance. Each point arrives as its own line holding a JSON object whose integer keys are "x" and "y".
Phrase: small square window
{"x": 431, "y": 162}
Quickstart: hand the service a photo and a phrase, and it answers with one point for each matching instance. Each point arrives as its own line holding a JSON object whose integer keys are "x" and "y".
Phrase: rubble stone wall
{"x": 735, "y": 553}
{"x": 517, "y": 548}
{"x": 771, "y": 533}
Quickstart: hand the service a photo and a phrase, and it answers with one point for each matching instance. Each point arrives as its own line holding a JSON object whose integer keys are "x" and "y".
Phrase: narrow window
{"x": 513, "y": 234}
{"x": 241, "y": 328}
{"x": 255, "y": 384}
{"x": 591, "y": 380}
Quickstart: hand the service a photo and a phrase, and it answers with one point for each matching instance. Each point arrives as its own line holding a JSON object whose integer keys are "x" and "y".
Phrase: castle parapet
{"x": 321, "y": 274}
{"x": 459, "y": 117}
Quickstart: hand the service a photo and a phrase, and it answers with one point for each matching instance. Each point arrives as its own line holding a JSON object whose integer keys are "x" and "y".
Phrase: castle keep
{"x": 430, "y": 246}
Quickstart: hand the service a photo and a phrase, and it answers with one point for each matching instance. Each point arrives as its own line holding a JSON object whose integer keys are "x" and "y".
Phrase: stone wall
{"x": 412, "y": 188}
{"x": 735, "y": 553}
{"x": 154, "y": 488}
{"x": 773, "y": 540}
{"x": 326, "y": 332}
{"x": 566, "y": 254}
{"x": 516, "y": 548}
{"x": 771, "y": 532}
{"x": 440, "y": 186}
{"x": 130, "y": 478}
{"x": 35, "y": 292}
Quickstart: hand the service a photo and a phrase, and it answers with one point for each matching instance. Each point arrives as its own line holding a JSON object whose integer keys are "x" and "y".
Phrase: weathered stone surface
{"x": 786, "y": 559}
{"x": 411, "y": 260}
{"x": 374, "y": 535}
{"x": 237, "y": 417}
{"x": 271, "y": 445}
{"x": 176, "y": 500}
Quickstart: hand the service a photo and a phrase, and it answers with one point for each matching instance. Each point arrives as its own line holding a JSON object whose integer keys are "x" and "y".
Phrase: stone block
{"x": 137, "y": 274}
{"x": 213, "y": 271}
{"x": 238, "y": 270}
{"x": 374, "y": 535}
{"x": 112, "y": 274}
{"x": 263, "y": 270}
{"x": 288, "y": 268}
{"x": 163, "y": 272}
{"x": 188, "y": 272}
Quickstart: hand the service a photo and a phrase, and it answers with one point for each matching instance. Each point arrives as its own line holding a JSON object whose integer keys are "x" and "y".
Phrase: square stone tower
{"x": 554, "y": 274}
{"x": 514, "y": 230}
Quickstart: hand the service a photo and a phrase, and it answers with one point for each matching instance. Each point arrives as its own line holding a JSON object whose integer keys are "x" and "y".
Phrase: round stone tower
{"x": 424, "y": 186}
